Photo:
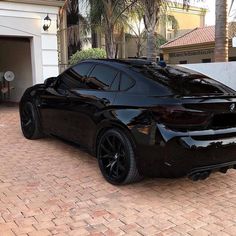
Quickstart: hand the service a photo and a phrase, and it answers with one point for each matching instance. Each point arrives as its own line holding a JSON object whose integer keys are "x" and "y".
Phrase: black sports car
{"x": 137, "y": 118}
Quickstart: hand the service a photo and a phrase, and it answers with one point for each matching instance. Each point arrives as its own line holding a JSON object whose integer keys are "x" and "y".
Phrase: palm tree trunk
{"x": 151, "y": 46}
{"x": 151, "y": 18}
{"x": 109, "y": 40}
{"x": 109, "y": 29}
{"x": 94, "y": 38}
{"x": 139, "y": 46}
{"x": 221, "y": 31}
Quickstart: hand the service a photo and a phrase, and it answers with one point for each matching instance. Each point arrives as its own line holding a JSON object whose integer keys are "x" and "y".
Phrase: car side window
{"x": 126, "y": 82}
{"x": 116, "y": 83}
{"x": 101, "y": 78}
{"x": 74, "y": 77}
{"x": 82, "y": 69}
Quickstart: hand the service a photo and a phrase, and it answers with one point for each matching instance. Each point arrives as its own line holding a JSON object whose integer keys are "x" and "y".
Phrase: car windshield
{"x": 184, "y": 81}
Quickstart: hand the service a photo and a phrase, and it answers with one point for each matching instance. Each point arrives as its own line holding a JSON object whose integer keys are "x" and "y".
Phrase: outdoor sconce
{"x": 47, "y": 23}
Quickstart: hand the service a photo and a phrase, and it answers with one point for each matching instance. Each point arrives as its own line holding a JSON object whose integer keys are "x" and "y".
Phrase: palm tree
{"x": 114, "y": 18}
{"x": 111, "y": 15}
{"x": 111, "y": 11}
{"x": 151, "y": 18}
{"x": 95, "y": 16}
{"x": 221, "y": 31}
{"x": 152, "y": 13}
{"x": 77, "y": 27}
{"x": 134, "y": 25}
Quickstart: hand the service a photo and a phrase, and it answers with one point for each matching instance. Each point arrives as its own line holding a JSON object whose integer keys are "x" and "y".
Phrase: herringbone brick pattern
{"x": 48, "y": 187}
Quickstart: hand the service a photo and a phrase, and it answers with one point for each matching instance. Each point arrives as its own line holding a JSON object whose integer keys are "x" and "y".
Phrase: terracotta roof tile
{"x": 197, "y": 36}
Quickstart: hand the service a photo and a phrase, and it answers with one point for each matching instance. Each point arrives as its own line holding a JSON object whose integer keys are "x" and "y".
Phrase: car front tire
{"x": 30, "y": 123}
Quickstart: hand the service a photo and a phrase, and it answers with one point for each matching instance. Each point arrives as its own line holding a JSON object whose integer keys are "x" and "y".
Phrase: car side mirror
{"x": 49, "y": 82}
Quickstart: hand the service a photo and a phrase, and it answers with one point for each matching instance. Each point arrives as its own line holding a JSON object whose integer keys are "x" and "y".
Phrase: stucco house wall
{"x": 223, "y": 72}
{"x": 25, "y": 19}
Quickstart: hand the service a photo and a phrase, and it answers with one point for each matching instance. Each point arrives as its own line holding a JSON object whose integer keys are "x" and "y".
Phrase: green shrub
{"x": 92, "y": 53}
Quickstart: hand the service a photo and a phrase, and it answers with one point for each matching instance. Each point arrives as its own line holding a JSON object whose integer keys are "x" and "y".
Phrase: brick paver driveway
{"x": 48, "y": 187}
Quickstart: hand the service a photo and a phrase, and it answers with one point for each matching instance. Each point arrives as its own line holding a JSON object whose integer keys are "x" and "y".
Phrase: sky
{"x": 210, "y": 16}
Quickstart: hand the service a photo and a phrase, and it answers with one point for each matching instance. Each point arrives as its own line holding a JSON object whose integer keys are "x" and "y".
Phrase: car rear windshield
{"x": 184, "y": 81}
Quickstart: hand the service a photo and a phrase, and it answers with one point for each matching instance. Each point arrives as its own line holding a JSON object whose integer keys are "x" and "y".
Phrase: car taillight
{"x": 178, "y": 116}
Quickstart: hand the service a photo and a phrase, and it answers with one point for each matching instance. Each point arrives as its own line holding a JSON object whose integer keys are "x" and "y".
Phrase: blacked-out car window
{"x": 101, "y": 77}
{"x": 126, "y": 82}
{"x": 82, "y": 69}
{"x": 116, "y": 83}
{"x": 189, "y": 82}
{"x": 73, "y": 78}
{"x": 183, "y": 81}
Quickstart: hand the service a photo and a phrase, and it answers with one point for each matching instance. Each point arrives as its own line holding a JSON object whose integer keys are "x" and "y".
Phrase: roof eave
{"x": 188, "y": 45}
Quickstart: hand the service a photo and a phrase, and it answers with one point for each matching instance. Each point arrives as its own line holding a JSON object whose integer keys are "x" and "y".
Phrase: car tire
{"x": 30, "y": 123}
{"x": 116, "y": 159}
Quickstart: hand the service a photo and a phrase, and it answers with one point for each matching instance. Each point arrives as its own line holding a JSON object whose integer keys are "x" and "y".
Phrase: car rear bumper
{"x": 191, "y": 143}
{"x": 188, "y": 153}
{"x": 205, "y": 171}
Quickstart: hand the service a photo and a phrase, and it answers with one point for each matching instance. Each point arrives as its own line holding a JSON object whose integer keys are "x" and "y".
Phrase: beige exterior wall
{"x": 193, "y": 54}
{"x": 131, "y": 48}
{"x": 187, "y": 20}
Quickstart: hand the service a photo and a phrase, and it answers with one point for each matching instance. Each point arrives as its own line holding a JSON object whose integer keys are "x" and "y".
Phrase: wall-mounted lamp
{"x": 47, "y": 23}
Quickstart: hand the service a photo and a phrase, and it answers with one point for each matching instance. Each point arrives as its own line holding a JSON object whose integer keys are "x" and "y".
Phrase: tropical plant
{"x": 112, "y": 11}
{"x": 95, "y": 16}
{"x": 160, "y": 40}
{"x": 151, "y": 18}
{"x": 135, "y": 27}
{"x": 111, "y": 16}
{"x": 173, "y": 21}
{"x": 77, "y": 27}
{"x": 92, "y": 53}
{"x": 152, "y": 15}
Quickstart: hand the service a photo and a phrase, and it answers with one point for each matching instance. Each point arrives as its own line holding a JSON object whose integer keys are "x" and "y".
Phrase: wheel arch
{"x": 106, "y": 125}
{"x": 31, "y": 95}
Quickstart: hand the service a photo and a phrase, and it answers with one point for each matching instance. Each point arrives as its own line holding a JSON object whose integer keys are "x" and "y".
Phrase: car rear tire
{"x": 30, "y": 123}
{"x": 116, "y": 158}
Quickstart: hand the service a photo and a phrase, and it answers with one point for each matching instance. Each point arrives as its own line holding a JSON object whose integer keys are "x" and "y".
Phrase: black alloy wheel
{"x": 30, "y": 122}
{"x": 116, "y": 158}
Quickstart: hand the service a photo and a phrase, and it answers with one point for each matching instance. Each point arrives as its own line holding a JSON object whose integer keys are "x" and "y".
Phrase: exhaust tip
{"x": 204, "y": 175}
{"x": 199, "y": 175}
{"x": 224, "y": 170}
{"x": 195, "y": 177}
